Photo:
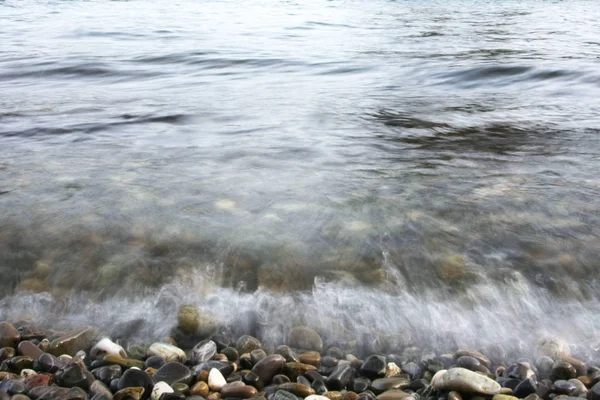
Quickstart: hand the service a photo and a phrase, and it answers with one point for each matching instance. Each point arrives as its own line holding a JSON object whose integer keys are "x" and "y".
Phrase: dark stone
{"x": 235, "y": 377}
{"x": 319, "y": 386}
{"x": 544, "y": 390}
{"x": 48, "y": 363}
{"x": 303, "y": 337}
{"x": 294, "y": 369}
{"x": 335, "y": 352}
{"x": 562, "y": 370}
{"x": 247, "y": 343}
{"x": 253, "y": 379}
{"x": 544, "y": 367}
{"x": 268, "y": 367}
{"x": 221, "y": 341}
{"x": 224, "y": 367}
{"x": 359, "y": 385}
{"x": 594, "y": 392}
{"x": 366, "y": 395}
{"x": 27, "y": 348}
{"x": 468, "y": 362}
{"x": 297, "y": 389}
{"x": 257, "y": 355}
{"x": 565, "y": 387}
{"x": 231, "y": 353}
{"x": 203, "y": 352}
{"x": 339, "y": 377}
{"x": 245, "y": 361}
{"x": 383, "y": 384}
{"x": 99, "y": 388}
{"x": 74, "y": 375}
{"x": 19, "y": 363}
{"x": 329, "y": 361}
{"x": 412, "y": 369}
{"x": 510, "y": 383}
{"x": 314, "y": 376}
{"x": 417, "y": 384}
{"x": 4, "y": 396}
{"x": 326, "y": 371}
{"x": 279, "y": 379}
{"x": 172, "y": 396}
{"x": 75, "y": 393}
{"x": 6, "y": 353}
{"x": 136, "y": 378}
{"x": 12, "y": 387}
{"x": 47, "y": 393}
{"x": 524, "y": 388}
{"x": 154, "y": 362}
{"x": 283, "y": 395}
{"x": 173, "y": 372}
{"x": 107, "y": 373}
{"x": 302, "y": 380}
{"x": 288, "y": 353}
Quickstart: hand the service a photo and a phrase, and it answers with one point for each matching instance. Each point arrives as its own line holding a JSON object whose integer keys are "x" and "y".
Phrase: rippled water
{"x": 419, "y": 167}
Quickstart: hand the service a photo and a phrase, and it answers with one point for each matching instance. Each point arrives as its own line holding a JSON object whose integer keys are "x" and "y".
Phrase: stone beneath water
{"x": 167, "y": 351}
{"x": 72, "y": 342}
{"x": 464, "y": 381}
{"x": 9, "y": 335}
{"x": 553, "y": 347}
{"x": 173, "y": 372}
{"x": 191, "y": 321}
{"x": 106, "y": 346}
{"x": 303, "y": 337}
{"x": 203, "y": 352}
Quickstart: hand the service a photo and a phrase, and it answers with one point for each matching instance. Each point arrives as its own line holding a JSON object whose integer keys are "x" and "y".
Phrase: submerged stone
{"x": 464, "y": 381}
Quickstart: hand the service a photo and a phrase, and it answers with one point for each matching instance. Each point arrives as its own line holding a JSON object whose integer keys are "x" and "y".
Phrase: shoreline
{"x": 86, "y": 364}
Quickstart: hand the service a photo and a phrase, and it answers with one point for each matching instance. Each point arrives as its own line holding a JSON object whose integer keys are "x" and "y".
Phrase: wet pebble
{"x": 303, "y": 337}
{"x": 216, "y": 380}
{"x": 173, "y": 372}
{"x": 373, "y": 367}
{"x": 247, "y": 343}
{"x": 339, "y": 377}
{"x": 9, "y": 335}
{"x": 203, "y": 352}
{"x": 464, "y": 380}
{"x": 167, "y": 351}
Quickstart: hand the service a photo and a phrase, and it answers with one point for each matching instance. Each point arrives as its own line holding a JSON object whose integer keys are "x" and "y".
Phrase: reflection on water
{"x": 387, "y": 167}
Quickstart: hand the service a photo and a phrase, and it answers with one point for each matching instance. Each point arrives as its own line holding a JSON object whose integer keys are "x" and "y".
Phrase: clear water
{"x": 373, "y": 167}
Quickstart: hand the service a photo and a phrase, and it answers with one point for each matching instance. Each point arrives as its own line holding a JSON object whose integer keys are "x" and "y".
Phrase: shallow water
{"x": 422, "y": 167}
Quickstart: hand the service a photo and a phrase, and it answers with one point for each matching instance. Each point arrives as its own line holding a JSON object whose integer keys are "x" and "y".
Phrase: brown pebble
{"x": 220, "y": 357}
{"x": 586, "y": 380}
{"x": 6, "y": 353}
{"x": 130, "y": 393}
{"x": 200, "y": 389}
{"x": 333, "y": 395}
{"x": 214, "y": 396}
{"x": 27, "y": 348}
{"x": 9, "y": 335}
{"x": 298, "y": 389}
{"x": 349, "y": 396}
{"x": 579, "y": 365}
{"x": 37, "y": 380}
{"x": 243, "y": 391}
{"x": 170, "y": 341}
{"x": 5, "y": 376}
{"x": 453, "y": 395}
{"x": 293, "y": 369}
{"x": 150, "y": 371}
{"x": 203, "y": 376}
{"x": 311, "y": 358}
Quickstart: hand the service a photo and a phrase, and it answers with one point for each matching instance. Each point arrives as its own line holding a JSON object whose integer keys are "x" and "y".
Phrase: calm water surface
{"x": 429, "y": 168}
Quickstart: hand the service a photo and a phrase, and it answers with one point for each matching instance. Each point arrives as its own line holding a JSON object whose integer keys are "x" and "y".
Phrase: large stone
{"x": 385, "y": 384}
{"x": 124, "y": 362}
{"x": 562, "y": 370}
{"x": 238, "y": 391}
{"x": 9, "y": 335}
{"x": 464, "y": 381}
{"x": 339, "y": 377}
{"x": 373, "y": 367}
{"x": 247, "y": 343}
{"x": 553, "y": 347}
{"x": 173, "y": 372}
{"x": 106, "y": 346}
{"x": 394, "y": 394}
{"x": 49, "y": 363}
{"x": 475, "y": 354}
{"x": 268, "y": 367}
{"x": 135, "y": 378}
{"x": 107, "y": 373}
{"x": 203, "y": 352}
{"x": 167, "y": 351}
{"x": 74, "y": 375}
{"x": 72, "y": 342}
{"x": 303, "y": 337}
{"x": 27, "y": 348}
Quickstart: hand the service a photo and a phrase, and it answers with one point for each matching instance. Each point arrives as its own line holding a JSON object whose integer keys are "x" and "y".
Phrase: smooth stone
{"x": 294, "y": 369}
{"x": 475, "y": 354}
{"x": 172, "y": 396}
{"x": 188, "y": 319}
{"x": 314, "y": 375}
{"x": 13, "y": 387}
{"x": 247, "y": 343}
{"x": 544, "y": 389}
{"x": 544, "y": 367}
{"x": 553, "y": 347}
{"x": 75, "y": 393}
{"x": 303, "y": 337}
{"x": 224, "y": 367}
{"x": 252, "y": 379}
{"x": 579, "y": 365}
{"x": 124, "y": 362}
{"x": 216, "y": 380}
{"x": 20, "y": 397}
{"x": 581, "y": 389}
{"x": 311, "y": 358}
{"x": 200, "y": 388}
{"x": 303, "y": 380}
{"x": 279, "y": 379}
{"x": 27, "y": 348}
{"x": 349, "y": 395}
{"x": 594, "y": 392}
{"x": 236, "y": 377}
{"x": 74, "y": 375}
{"x": 160, "y": 388}
{"x": 565, "y": 387}
{"x": 298, "y": 389}
{"x": 37, "y": 380}
{"x": 339, "y": 377}
{"x": 173, "y": 372}
{"x": 135, "y": 378}
{"x": 167, "y": 351}
{"x": 6, "y": 353}
{"x": 47, "y": 392}
{"x": 329, "y": 361}
{"x": 231, "y": 353}
{"x": 393, "y": 394}
{"x": 373, "y": 367}
{"x": 319, "y": 386}
{"x": 19, "y": 363}
{"x": 334, "y": 395}
{"x": 203, "y": 352}
{"x": 222, "y": 341}
{"x": 468, "y": 362}
{"x": 454, "y": 396}
{"x": 284, "y": 395}
{"x": 562, "y": 370}
{"x": 288, "y": 353}
{"x": 384, "y": 384}
{"x": 154, "y": 362}
{"x": 242, "y": 392}
{"x": 131, "y": 393}
{"x": 106, "y": 346}
{"x": 257, "y": 355}
{"x": 268, "y": 367}
{"x": 525, "y": 388}
{"x": 359, "y": 385}
{"x": 245, "y": 361}
{"x": 180, "y": 387}
{"x": 107, "y": 373}
{"x": 97, "y": 388}
{"x": 74, "y": 341}
{"x": 464, "y": 381}
{"x": 9, "y": 335}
